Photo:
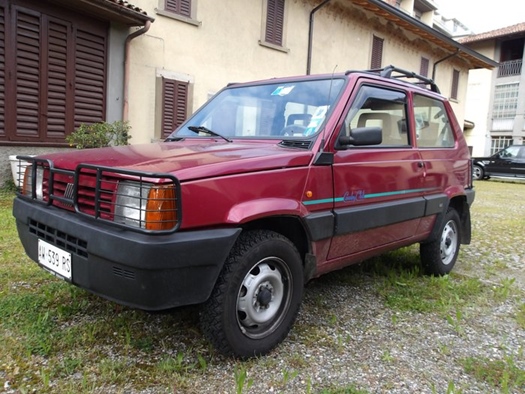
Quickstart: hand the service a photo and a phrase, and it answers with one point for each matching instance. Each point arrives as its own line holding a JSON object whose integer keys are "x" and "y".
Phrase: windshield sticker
{"x": 282, "y": 90}
{"x": 317, "y": 118}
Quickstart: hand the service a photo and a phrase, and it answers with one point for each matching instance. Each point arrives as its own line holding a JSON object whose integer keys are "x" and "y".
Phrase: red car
{"x": 268, "y": 185}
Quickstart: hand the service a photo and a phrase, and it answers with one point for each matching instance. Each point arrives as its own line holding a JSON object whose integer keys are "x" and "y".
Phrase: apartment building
{"x": 153, "y": 62}
{"x": 496, "y": 98}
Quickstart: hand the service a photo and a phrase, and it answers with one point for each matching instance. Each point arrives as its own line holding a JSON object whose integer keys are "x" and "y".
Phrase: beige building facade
{"x": 154, "y": 62}
{"x": 225, "y": 42}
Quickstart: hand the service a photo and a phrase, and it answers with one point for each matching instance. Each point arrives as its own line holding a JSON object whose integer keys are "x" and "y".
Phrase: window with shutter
{"x": 181, "y": 7}
{"x": 57, "y": 61}
{"x": 423, "y": 69}
{"x": 377, "y": 52}
{"x": 174, "y": 104}
{"x": 274, "y": 22}
{"x": 455, "y": 85}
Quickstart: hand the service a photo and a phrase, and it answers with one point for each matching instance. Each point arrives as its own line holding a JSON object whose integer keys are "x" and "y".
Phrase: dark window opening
{"x": 377, "y": 53}
{"x": 423, "y": 69}
{"x": 511, "y": 57}
{"x": 455, "y": 85}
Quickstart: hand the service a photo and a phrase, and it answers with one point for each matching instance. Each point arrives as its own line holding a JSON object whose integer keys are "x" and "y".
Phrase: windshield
{"x": 294, "y": 109}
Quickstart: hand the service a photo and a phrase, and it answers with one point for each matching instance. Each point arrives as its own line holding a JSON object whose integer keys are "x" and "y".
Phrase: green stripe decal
{"x": 367, "y": 196}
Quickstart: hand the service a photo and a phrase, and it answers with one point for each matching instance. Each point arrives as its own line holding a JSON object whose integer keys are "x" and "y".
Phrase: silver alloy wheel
{"x": 264, "y": 297}
{"x": 477, "y": 172}
{"x": 449, "y": 242}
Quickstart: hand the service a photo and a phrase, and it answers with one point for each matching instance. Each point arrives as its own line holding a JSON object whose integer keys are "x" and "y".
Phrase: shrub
{"x": 98, "y": 135}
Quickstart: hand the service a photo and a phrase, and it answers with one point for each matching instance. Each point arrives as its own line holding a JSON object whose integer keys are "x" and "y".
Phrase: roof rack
{"x": 387, "y": 71}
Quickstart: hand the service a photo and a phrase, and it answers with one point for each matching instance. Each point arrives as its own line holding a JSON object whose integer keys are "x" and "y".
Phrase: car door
{"x": 377, "y": 188}
{"x": 508, "y": 162}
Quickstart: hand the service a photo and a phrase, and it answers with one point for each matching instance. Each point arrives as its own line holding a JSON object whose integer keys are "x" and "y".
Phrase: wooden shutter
{"x": 90, "y": 77}
{"x": 423, "y": 69}
{"x": 27, "y": 96}
{"x": 56, "y": 63}
{"x": 377, "y": 53}
{"x": 455, "y": 85}
{"x": 2, "y": 73}
{"x": 58, "y": 102}
{"x": 174, "y": 104}
{"x": 181, "y": 7}
{"x": 275, "y": 22}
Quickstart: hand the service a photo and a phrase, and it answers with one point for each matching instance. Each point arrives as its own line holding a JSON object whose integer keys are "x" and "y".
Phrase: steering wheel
{"x": 290, "y": 131}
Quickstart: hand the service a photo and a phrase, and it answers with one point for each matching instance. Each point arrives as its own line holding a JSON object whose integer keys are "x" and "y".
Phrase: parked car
{"x": 269, "y": 185}
{"x": 509, "y": 162}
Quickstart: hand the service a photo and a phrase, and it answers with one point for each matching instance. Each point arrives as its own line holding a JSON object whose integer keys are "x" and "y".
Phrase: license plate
{"x": 56, "y": 260}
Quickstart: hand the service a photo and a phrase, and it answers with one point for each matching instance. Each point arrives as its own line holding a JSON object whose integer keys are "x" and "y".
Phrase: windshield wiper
{"x": 202, "y": 129}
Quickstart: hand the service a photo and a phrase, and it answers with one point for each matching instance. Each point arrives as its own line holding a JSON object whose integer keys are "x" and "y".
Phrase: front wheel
{"x": 477, "y": 172}
{"x": 439, "y": 256}
{"x": 257, "y": 296}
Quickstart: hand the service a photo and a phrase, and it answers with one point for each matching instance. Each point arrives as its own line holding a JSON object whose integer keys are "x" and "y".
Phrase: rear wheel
{"x": 439, "y": 256}
{"x": 257, "y": 296}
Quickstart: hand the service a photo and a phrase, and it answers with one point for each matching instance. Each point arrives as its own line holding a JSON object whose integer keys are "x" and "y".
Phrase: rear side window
{"x": 433, "y": 128}
{"x": 380, "y": 107}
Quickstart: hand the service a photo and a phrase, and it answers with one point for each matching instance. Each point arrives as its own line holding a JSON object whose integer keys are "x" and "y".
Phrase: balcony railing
{"x": 511, "y": 67}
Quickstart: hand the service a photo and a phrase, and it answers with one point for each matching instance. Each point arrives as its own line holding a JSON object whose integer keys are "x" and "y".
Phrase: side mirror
{"x": 362, "y": 136}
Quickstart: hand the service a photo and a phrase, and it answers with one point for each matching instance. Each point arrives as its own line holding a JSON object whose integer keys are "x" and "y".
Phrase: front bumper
{"x": 149, "y": 272}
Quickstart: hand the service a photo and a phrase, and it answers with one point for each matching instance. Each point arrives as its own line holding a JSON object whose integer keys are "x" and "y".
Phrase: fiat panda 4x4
{"x": 268, "y": 185}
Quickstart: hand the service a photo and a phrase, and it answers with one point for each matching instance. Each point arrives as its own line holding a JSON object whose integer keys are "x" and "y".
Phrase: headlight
{"x": 27, "y": 188}
{"x": 147, "y": 206}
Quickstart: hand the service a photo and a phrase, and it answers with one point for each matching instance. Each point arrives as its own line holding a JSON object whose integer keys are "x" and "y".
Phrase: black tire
{"x": 478, "y": 172}
{"x": 257, "y": 296}
{"x": 439, "y": 256}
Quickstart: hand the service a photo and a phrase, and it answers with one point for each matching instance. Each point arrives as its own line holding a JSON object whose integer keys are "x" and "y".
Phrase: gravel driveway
{"x": 348, "y": 339}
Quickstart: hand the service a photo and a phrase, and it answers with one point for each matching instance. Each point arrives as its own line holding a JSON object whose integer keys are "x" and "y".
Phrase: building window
{"x": 505, "y": 101}
{"x": 398, "y": 3}
{"x": 174, "y": 105}
{"x": 417, "y": 14}
{"x": 455, "y": 85}
{"x": 274, "y": 22}
{"x": 46, "y": 94}
{"x": 423, "y": 68}
{"x": 377, "y": 53}
{"x": 181, "y": 7}
{"x": 498, "y": 143}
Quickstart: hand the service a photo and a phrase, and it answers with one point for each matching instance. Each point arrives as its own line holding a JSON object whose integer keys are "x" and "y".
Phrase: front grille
{"x": 140, "y": 201}
{"x": 123, "y": 273}
{"x": 58, "y": 238}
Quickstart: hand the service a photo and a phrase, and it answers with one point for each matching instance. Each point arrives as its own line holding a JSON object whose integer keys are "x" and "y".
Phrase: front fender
{"x": 264, "y": 207}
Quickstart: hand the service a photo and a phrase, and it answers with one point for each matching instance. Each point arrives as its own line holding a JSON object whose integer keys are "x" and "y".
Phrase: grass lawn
{"x": 58, "y": 338}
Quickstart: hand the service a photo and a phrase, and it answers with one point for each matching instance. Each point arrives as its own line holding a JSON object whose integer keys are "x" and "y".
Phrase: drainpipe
{"x": 125, "y": 109}
{"x": 311, "y": 34}
{"x": 442, "y": 60}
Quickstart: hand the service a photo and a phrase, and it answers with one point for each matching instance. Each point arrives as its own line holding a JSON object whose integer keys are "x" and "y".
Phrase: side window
{"x": 379, "y": 107}
{"x": 433, "y": 128}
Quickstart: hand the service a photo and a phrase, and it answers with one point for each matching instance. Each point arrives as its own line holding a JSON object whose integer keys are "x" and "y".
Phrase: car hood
{"x": 188, "y": 159}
